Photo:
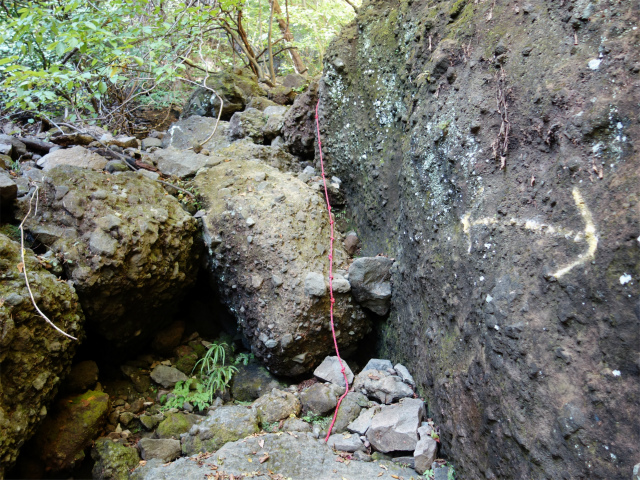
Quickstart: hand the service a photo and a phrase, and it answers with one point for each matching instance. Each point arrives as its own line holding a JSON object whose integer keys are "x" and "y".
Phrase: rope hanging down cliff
{"x": 333, "y": 330}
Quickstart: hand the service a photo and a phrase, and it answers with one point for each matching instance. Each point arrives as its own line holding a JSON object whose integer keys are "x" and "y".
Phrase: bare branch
{"x": 24, "y": 267}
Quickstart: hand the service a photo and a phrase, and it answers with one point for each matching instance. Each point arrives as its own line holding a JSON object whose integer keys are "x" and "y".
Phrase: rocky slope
{"x": 491, "y": 147}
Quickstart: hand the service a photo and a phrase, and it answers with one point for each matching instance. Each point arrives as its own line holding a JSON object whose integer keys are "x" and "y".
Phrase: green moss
{"x": 173, "y": 425}
{"x": 456, "y": 8}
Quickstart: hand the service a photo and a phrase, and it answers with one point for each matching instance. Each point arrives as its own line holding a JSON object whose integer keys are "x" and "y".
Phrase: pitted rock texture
{"x": 298, "y": 457}
{"x": 128, "y": 248}
{"x": 510, "y": 298}
{"x": 33, "y": 356}
{"x": 265, "y": 230}
{"x": 299, "y": 128}
{"x": 193, "y": 131}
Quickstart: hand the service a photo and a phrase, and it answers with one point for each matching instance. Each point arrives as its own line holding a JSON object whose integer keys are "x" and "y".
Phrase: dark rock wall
{"x": 515, "y": 297}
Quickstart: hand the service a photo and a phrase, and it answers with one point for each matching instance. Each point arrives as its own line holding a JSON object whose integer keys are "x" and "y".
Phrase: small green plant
{"x": 182, "y": 393}
{"x": 270, "y": 427}
{"x": 451, "y": 474}
{"x": 317, "y": 419}
{"x": 214, "y": 374}
{"x": 430, "y": 474}
{"x": 244, "y": 358}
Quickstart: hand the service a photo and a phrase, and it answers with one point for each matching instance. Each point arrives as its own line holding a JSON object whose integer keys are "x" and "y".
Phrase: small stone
{"x": 167, "y": 376}
{"x": 166, "y": 450}
{"x": 8, "y": 188}
{"x": 425, "y": 454}
{"x": 314, "y": 285}
{"x": 378, "y": 364}
{"x": 345, "y": 442}
{"x": 330, "y": 371}
{"x": 404, "y": 374}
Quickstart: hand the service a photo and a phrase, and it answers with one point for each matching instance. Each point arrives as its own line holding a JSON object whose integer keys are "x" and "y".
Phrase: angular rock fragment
{"x": 248, "y": 123}
{"x": 345, "y": 442}
{"x": 192, "y": 132}
{"x": 167, "y": 376}
{"x": 382, "y": 386}
{"x": 395, "y": 427}
{"x": 425, "y": 454}
{"x": 113, "y": 460}
{"x": 69, "y": 428}
{"x": 370, "y": 279}
{"x": 331, "y": 371}
{"x": 320, "y": 398}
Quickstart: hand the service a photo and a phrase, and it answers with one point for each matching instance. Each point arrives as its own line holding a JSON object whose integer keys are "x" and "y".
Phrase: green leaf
{"x": 102, "y": 87}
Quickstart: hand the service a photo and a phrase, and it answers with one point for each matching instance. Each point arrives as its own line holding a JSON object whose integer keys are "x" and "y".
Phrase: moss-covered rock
{"x": 33, "y": 356}
{"x": 187, "y": 362}
{"x": 128, "y": 247}
{"x": 69, "y": 428}
{"x": 251, "y": 381}
{"x": 236, "y": 90}
{"x": 226, "y": 424}
{"x": 113, "y": 460}
{"x": 174, "y": 424}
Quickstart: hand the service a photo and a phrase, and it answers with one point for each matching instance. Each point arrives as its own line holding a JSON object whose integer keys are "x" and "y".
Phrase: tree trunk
{"x": 298, "y": 64}
{"x": 269, "y": 46}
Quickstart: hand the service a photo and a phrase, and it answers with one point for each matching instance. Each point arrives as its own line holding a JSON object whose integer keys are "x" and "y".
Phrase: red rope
{"x": 333, "y": 330}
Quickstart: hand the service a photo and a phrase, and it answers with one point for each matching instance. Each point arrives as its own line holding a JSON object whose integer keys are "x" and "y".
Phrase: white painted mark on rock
{"x": 588, "y": 234}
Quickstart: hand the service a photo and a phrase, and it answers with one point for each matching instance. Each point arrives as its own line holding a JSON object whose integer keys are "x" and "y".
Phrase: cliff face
{"x": 491, "y": 148}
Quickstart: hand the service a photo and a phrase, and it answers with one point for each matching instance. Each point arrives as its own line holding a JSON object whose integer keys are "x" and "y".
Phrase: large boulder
{"x": 77, "y": 156}
{"x": 71, "y": 426}
{"x": 180, "y": 163}
{"x": 299, "y": 127}
{"x": 236, "y": 90}
{"x": 193, "y": 131}
{"x": 248, "y": 123}
{"x": 245, "y": 149}
{"x": 128, "y": 248}
{"x": 497, "y": 161}
{"x": 33, "y": 356}
{"x": 265, "y": 230}
{"x": 298, "y": 457}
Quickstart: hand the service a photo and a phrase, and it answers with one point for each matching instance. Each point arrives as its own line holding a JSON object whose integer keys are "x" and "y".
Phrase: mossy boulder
{"x": 33, "y": 356}
{"x": 69, "y": 428}
{"x": 187, "y": 362}
{"x": 226, "y": 424}
{"x": 129, "y": 248}
{"x": 174, "y": 424}
{"x": 251, "y": 381}
{"x": 236, "y": 90}
{"x": 113, "y": 460}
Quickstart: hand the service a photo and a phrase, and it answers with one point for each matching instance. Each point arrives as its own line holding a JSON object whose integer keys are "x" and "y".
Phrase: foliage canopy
{"x": 98, "y": 59}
